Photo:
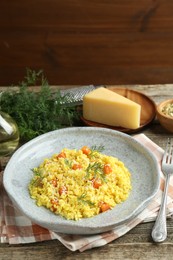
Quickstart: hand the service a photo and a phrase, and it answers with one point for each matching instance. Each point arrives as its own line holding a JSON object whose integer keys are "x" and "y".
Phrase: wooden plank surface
{"x": 136, "y": 244}
{"x": 87, "y": 42}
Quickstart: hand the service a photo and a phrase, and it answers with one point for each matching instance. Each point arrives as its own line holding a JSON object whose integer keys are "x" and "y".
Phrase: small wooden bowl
{"x": 165, "y": 120}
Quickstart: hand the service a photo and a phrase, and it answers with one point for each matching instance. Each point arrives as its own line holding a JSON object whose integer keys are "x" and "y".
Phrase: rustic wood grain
{"x": 87, "y": 42}
{"x": 136, "y": 244}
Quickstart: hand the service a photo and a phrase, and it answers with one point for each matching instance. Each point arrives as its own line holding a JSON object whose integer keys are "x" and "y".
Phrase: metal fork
{"x": 159, "y": 231}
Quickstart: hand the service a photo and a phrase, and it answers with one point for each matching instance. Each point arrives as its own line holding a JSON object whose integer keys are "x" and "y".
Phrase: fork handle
{"x": 159, "y": 231}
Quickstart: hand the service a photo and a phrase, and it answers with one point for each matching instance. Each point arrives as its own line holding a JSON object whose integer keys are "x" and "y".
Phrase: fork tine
{"x": 165, "y": 155}
{"x": 171, "y": 152}
{"x": 168, "y": 154}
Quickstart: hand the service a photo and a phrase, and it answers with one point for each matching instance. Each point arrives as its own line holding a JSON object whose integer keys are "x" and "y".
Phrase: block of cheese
{"x": 107, "y": 107}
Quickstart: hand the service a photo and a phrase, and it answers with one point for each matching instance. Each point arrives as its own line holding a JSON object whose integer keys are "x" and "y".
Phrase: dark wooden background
{"x": 87, "y": 41}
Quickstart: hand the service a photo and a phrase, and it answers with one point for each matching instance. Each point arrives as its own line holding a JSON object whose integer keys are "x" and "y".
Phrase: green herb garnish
{"x": 96, "y": 167}
{"x": 83, "y": 200}
{"x": 37, "y": 180}
{"x": 37, "y": 112}
{"x": 68, "y": 162}
{"x": 97, "y": 148}
{"x": 95, "y": 170}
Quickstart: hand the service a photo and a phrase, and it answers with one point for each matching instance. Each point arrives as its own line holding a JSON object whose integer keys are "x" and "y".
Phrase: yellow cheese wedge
{"x": 107, "y": 107}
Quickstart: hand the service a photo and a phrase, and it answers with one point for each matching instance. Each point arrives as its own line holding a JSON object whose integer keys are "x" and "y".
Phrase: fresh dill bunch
{"x": 37, "y": 112}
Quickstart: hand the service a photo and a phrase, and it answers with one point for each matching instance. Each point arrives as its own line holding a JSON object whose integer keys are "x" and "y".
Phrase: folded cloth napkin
{"x": 16, "y": 228}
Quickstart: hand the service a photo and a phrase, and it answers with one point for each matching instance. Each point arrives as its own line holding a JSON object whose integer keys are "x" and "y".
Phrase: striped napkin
{"x": 16, "y": 228}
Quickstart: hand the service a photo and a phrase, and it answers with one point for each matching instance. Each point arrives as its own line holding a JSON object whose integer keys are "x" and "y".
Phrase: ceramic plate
{"x": 148, "y": 110}
{"x": 140, "y": 162}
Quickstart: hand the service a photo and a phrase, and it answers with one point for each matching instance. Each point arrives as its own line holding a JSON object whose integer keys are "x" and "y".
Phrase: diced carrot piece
{"x": 54, "y": 203}
{"x": 86, "y": 150}
{"x": 107, "y": 169}
{"x": 61, "y": 155}
{"x": 96, "y": 183}
{"x": 104, "y": 207}
{"x": 62, "y": 190}
{"x": 76, "y": 166}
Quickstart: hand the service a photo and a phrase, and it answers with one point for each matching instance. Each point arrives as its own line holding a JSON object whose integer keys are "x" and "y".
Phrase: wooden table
{"x": 83, "y": 42}
{"x": 136, "y": 244}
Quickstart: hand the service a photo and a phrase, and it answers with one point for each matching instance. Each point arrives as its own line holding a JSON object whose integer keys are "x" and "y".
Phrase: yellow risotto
{"x": 80, "y": 183}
